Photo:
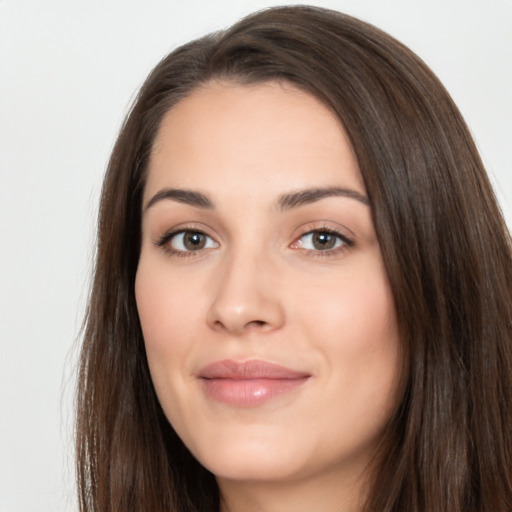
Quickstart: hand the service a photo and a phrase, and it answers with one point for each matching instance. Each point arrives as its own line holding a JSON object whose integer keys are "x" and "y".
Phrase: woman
{"x": 303, "y": 288}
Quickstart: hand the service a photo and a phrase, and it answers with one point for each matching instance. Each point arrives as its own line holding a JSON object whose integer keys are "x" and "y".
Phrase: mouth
{"x": 249, "y": 383}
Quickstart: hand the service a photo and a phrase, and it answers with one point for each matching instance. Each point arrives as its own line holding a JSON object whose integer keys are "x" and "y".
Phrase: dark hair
{"x": 445, "y": 245}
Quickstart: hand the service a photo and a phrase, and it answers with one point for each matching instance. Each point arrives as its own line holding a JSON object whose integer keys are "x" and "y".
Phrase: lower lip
{"x": 249, "y": 392}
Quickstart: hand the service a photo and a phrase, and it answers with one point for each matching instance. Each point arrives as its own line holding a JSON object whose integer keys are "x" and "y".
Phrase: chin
{"x": 258, "y": 469}
{"x": 254, "y": 458}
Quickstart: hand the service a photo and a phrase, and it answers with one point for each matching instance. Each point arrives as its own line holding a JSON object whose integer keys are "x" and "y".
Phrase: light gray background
{"x": 68, "y": 70}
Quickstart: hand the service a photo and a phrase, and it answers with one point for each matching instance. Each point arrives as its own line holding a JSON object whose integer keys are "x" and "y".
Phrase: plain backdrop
{"x": 68, "y": 71}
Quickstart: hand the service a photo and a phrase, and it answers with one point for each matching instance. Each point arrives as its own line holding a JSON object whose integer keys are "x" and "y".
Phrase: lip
{"x": 249, "y": 383}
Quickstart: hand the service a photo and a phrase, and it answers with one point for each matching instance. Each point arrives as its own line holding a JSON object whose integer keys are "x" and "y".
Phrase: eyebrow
{"x": 285, "y": 202}
{"x": 189, "y": 197}
{"x": 308, "y": 196}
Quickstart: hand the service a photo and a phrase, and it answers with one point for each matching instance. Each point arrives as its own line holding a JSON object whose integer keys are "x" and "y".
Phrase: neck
{"x": 326, "y": 493}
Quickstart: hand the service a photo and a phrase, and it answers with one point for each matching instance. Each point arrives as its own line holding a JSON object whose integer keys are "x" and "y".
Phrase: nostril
{"x": 251, "y": 322}
{"x": 258, "y": 323}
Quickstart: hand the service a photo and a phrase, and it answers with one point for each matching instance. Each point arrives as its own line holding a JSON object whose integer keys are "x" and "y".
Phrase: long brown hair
{"x": 445, "y": 246}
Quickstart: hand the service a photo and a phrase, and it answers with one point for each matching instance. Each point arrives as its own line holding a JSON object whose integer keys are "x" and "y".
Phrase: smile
{"x": 249, "y": 383}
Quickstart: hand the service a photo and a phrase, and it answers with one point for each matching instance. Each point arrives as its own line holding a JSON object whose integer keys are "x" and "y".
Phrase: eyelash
{"x": 346, "y": 243}
{"x": 164, "y": 242}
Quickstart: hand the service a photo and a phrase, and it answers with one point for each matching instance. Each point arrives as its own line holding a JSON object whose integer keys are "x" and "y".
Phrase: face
{"x": 267, "y": 315}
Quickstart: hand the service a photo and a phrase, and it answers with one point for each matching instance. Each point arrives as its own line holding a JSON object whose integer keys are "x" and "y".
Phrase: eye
{"x": 322, "y": 240}
{"x": 187, "y": 241}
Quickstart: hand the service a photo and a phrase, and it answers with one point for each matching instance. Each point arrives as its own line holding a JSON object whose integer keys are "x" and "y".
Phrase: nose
{"x": 246, "y": 297}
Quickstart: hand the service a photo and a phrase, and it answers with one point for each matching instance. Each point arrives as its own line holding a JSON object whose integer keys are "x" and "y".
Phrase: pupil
{"x": 323, "y": 240}
{"x": 194, "y": 241}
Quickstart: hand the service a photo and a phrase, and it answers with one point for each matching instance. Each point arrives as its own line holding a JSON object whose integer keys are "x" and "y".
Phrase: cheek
{"x": 355, "y": 309}
{"x": 352, "y": 322}
{"x": 166, "y": 314}
{"x": 152, "y": 304}
{"x": 165, "y": 307}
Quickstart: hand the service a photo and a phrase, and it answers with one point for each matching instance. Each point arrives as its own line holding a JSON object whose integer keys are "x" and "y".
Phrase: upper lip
{"x": 249, "y": 370}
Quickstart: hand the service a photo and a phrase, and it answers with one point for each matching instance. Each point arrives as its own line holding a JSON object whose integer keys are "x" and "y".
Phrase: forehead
{"x": 252, "y": 136}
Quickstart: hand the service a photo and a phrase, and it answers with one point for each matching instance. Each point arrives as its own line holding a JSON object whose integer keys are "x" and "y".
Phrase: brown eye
{"x": 188, "y": 241}
{"x": 193, "y": 241}
{"x": 322, "y": 240}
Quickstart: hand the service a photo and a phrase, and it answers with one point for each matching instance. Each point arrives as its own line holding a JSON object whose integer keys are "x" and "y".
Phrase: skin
{"x": 261, "y": 289}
